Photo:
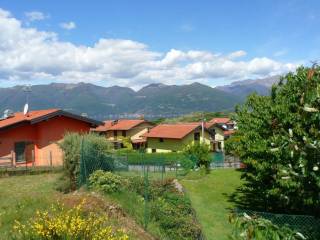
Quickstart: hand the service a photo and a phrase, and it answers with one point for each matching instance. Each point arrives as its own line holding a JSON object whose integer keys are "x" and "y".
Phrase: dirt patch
{"x": 94, "y": 202}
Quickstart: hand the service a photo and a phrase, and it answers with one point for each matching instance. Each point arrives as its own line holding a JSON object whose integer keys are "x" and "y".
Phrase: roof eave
{"x": 94, "y": 123}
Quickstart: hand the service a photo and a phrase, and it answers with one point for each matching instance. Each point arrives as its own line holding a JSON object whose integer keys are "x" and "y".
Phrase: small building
{"x": 174, "y": 137}
{"x": 31, "y": 138}
{"x": 133, "y": 129}
{"x": 220, "y": 129}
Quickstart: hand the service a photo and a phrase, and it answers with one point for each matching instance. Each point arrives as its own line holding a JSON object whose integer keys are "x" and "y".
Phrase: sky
{"x": 135, "y": 43}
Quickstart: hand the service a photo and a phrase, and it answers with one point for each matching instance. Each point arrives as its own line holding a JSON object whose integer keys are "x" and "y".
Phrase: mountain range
{"x": 152, "y": 101}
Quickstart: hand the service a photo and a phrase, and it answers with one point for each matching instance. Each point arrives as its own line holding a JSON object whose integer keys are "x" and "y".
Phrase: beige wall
{"x": 169, "y": 145}
{"x": 219, "y": 137}
{"x": 136, "y": 132}
{"x": 133, "y": 133}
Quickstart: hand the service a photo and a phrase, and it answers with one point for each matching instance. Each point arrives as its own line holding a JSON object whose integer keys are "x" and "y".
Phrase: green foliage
{"x": 172, "y": 211}
{"x": 60, "y": 223}
{"x": 254, "y": 228}
{"x": 199, "y": 154}
{"x": 88, "y": 148}
{"x": 126, "y": 141}
{"x": 173, "y": 216}
{"x": 106, "y": 182}
{"x": 168, "y": 209}
{"x": 71, "y": 147}
{"x": 63, "y": 184}
{"x": 278, "y": 140}
{"x": 138, "y": 158}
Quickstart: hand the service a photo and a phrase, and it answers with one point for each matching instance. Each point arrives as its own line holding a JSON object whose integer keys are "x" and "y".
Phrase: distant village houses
{"x": 133, "y": 129}
{"x": 174, "y": 137}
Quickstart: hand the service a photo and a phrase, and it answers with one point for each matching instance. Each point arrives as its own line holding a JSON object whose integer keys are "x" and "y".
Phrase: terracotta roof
{"x": 105, "y": 127}
{"x": 40, "y": 115}
{"x": 175, "y": 131}
{"x": 126, "y": 124}
{"x": 220, "y": 120}
{"x": 214, "y": 121}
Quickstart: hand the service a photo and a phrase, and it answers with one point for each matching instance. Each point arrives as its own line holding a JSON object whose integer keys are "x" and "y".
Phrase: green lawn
{"x": 209, "y": 197}
{"x": 20, "y": 196}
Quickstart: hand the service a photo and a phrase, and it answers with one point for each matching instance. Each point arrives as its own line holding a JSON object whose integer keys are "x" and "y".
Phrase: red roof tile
{"x": 126, "y": 124}
{"x": 220, "y": 120}
{"x": 175, "y": 131}
{"x": 20, "y": 117}
{"x": 39, "y": 115}
{"x": 214, "y": 121}
{"x": 105, "y": 127}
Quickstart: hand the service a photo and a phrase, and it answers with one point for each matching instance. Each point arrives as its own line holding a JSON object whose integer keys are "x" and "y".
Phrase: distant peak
{"x": 156, "y": 85}
{"x": 197, "y": 84}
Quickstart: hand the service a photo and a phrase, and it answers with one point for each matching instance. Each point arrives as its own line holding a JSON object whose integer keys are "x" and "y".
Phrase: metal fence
{"x": 220, "y": 160}
{"x": 309, "y": 226}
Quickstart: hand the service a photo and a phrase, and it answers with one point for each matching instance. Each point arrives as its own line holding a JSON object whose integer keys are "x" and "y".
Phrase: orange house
{"x": 32, "y": 138}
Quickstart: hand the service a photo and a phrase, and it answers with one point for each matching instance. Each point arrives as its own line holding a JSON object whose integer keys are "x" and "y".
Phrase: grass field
{"x": 20, "y": 196}
{"x": 209, "y": 197}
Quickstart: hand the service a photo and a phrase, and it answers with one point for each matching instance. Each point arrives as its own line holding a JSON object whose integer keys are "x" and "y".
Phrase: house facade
{"x": 174, "y": 137}
{"x": 32, "y": 138}
{"x": 220, "y": 129}
{"x": 132, "y": 129}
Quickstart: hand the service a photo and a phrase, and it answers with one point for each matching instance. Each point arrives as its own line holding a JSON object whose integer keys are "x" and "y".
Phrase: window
{"x": 154, "y": 150}
{"x": 24, "y": 151}
{"x": 115, "y": 133}
{"x": 19, "y": 149}
{"x": 196, "y": 136}
{"x": 124, "y": 133}
{"x": 161, "y": 140}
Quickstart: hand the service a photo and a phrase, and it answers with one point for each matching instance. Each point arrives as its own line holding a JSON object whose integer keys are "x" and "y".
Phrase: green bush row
{"x": 168, "y": 208}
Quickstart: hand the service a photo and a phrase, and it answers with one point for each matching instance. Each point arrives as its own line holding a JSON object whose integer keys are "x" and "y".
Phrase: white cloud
{"x": 35, "y": 16}
{"x": 68, "y": 25}
{"x": 27, "y": 54}
{"x": 237, "y": 54}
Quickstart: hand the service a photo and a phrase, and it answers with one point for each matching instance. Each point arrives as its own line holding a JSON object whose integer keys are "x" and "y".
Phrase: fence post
{"x": 13, "y": 159}
{"x": 146, "y": 186}
{"x": 32, "y": 157}
{"x": 50, "y": 158}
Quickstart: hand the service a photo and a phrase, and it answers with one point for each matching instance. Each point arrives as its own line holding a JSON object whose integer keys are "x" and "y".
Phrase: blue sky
{"x": 284, "y": 32}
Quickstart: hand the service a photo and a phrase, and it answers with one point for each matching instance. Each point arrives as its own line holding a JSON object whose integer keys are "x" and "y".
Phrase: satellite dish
{"x": 25, "y": 109}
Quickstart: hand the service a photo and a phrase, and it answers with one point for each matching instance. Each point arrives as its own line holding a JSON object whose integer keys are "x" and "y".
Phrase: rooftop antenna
{"x": 27, "y": 90}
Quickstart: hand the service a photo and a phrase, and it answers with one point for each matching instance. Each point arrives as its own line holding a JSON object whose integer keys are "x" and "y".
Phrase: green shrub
{"x": 172, "y": 211}
{"x": 63, "y": 184}
{"x": 60, "y": 223}
{"x": 90, "y": 150}
{"x": 255, "y": 228}
{"x": 174, "y": 217}
{"x": 106, "y": 182}
{"x": 278, "y": 141}
{"x": 199, "y": 154}
{"x": 136, "y": 184}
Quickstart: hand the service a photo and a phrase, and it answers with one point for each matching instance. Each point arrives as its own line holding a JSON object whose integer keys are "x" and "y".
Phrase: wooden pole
{"x": 50, "y": 158}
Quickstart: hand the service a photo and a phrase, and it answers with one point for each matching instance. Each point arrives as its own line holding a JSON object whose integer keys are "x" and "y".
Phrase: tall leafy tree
{"x": 279, "y": 141}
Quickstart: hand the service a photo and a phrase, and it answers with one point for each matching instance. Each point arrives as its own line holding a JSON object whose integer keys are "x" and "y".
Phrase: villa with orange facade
{"x": 32, "y": 138}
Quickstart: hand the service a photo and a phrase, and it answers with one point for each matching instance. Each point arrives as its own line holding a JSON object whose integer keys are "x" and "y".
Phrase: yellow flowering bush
{"x": 68, "y": 224}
